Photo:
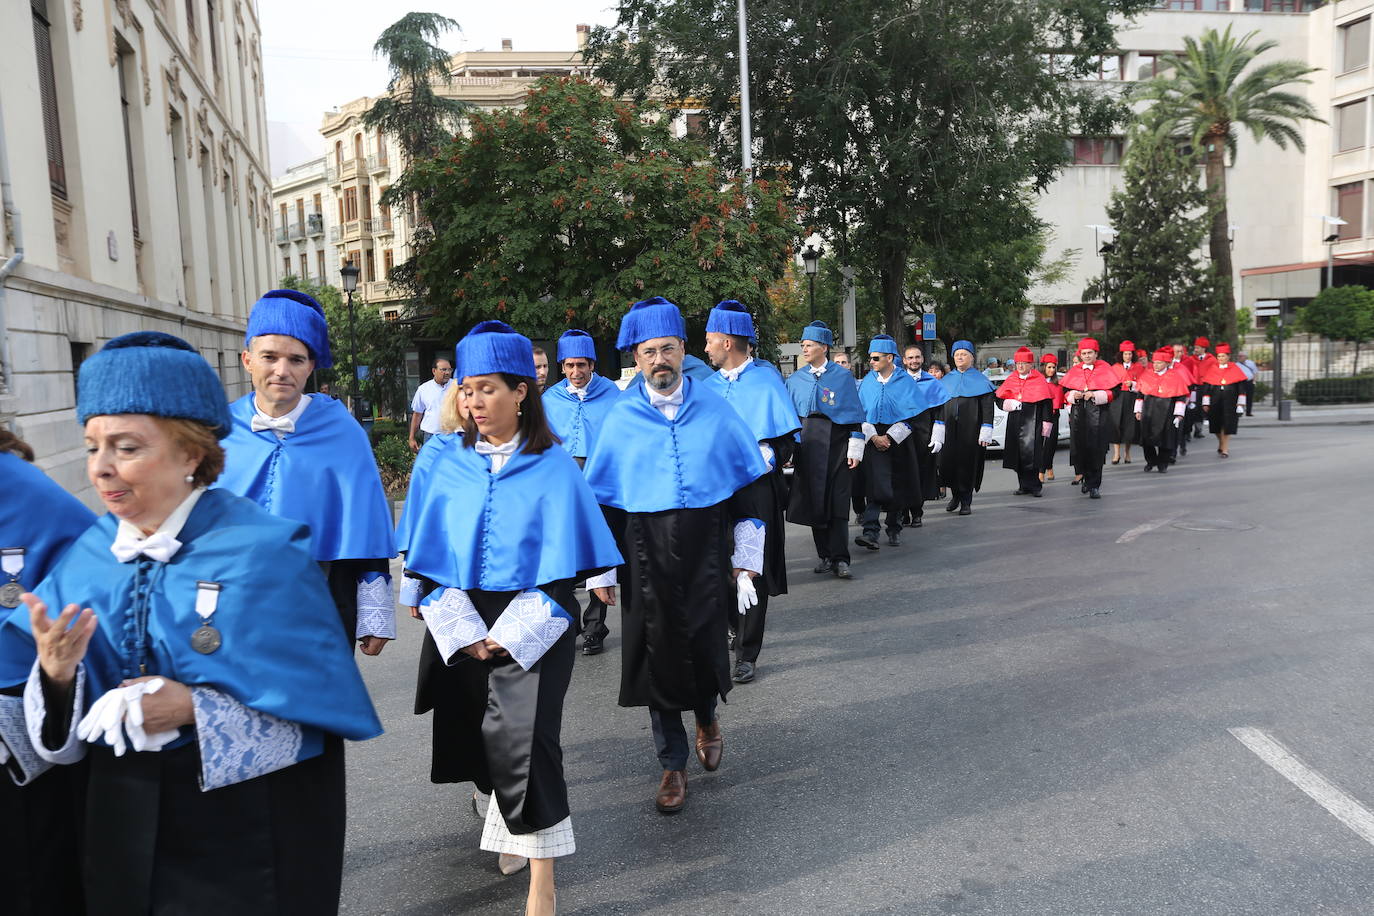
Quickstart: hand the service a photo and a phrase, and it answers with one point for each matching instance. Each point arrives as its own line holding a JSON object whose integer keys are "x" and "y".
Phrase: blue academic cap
{"x": 576, "y": 344}
{"x": 730, "y": 317}
{"x": 494, "y": 346}
{"x": 650, "y": 318}
{"x": 818, "y": 332}
{"x": 882, "y": 344}
{"x": 152, "y": 373}
{"x": 294, "y": 314}
{"x": 961, "y": 345}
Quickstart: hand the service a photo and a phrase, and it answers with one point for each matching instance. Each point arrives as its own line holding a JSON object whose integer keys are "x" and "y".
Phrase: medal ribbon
{"x": 12, "y": 562}
{"x": 207, "y": 599}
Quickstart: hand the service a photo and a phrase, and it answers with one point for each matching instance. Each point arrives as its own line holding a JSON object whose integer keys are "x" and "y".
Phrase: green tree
{"x": 1341, "y": 313}
{"x": 566, "y": 211}
{"x": 909, "y": 127}
{"x": 1158, "y": 289}
{"x": 1210, "y": 93}
{"x": 1038, "y": 334}
{"x": 382, "y": 346}
{"x": 419, "y": 118}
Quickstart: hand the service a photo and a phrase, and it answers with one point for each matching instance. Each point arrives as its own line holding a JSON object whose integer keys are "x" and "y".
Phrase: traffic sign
{"x": 1268, "y": 308}
{"x": 928, "y": 326}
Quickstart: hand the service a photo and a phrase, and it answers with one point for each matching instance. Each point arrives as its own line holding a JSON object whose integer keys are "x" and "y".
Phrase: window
{"x": 125, "y": 60}
{"x": 338, "y": 154}
{"x": 357, "y": 146}
{"x": 210, "y": 31}
{"x": 284, "y": 224}
{"x": 286, "y": 267}
{"x": 370, "y": 268}
{"x": 1350, "y": 125}
{"x": 1354, "y": 39}
{"x": 1108, "y": 67}
{"x": 1279, "y": 6}
{"x": 305, "y": 267}
{"x": 1095, "y": 150}
{"x": 1350, "y": 207}
{"x": 381, "y": 149}
{"x": 300, "y": 211}
{"x": 367, "y": 202}
{"x": 1205, "y": 5}
{"x": 350, "y": 204}
{"x": 1149, "y": 65}
{"x": 388, "y": 262}
{"x": 191, "y": 19}
{"x": 318, "y": 208}
{"x": 319, "y": 265}
{"x": 47, "y": 92}
{"x": 696, "y": 126}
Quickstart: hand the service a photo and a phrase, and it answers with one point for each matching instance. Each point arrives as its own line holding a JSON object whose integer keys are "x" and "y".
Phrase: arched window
{"x": 338, "y": 154}
{"x": 357, "y": 146}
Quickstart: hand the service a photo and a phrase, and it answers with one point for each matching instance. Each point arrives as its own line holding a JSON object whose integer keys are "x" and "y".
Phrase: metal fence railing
{"x": 1316, "y": 371}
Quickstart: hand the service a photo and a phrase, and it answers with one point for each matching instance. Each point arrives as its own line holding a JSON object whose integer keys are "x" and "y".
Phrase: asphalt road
{"x": 1024, "y": 711}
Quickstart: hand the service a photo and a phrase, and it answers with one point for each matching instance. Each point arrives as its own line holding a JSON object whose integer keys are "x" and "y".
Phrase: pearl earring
{"x": 519, "y": 412}
{"x": 190, "y": 478}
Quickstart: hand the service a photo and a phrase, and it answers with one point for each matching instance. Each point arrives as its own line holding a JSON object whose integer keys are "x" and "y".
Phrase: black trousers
{"x": 1158, "y": 457}
{"x": 749, "y": 627}
{"x": 871, "y": 513}
{"x": 594, "y": 618}
{"x": 832, "y": 541}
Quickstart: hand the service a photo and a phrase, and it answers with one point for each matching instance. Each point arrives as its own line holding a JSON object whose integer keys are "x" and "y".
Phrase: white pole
{"x": 745, "y": 133}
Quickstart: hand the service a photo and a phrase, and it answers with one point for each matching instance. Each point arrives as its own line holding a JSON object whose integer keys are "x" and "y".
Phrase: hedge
{"x": 1334, "y": 390}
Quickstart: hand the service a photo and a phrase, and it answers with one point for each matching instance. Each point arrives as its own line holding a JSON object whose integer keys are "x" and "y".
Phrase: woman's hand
{"x": 168, "y": 709}
{"x": 607, "y": 595}
{"x": 61, "y": 643}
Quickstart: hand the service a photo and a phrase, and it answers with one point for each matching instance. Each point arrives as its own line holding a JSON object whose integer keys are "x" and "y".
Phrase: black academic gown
{"x": 821, "y": 484}
{"x": 892, "y": 479}
{"x": 1024, "y": 448}
{"x": 1090, "y": 430}
{"x": 927, "y": 478}
{"x": 1221, "y": 414}
{"x": 1158, "y": 435}
{"x": 1122, "y": 411}
{"x": 961, "y": 457}
{"x": 497, "y": 725}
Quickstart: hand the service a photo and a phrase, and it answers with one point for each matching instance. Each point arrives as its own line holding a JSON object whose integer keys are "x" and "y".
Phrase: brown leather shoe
{"x": 710, "y": 743}
{"x": 672, "y": 792}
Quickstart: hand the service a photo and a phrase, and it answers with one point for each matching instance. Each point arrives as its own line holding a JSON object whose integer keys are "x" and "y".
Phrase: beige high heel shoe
{"x": 510, "y": 864}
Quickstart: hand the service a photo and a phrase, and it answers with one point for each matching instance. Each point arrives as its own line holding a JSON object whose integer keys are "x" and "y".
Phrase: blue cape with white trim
{"x": 834, "y": 394}
{"x": 323, "y": 475}
{"x": 283, "y": 649}
{"x": 760, "y": 398}
{"x": 644, "y": 462}
{"x": 534, "y": 523}
{"x": 577, "y": 421}
{"x": 889, "y": 403}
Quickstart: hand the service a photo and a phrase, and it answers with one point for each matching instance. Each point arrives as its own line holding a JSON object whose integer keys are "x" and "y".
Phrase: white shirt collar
{"x": 732, "y": 375}
{"x": 578, "y": 392}
{"x": 499, "y": 454}
{"x": 890, "y": 376}
{"x": 817, "y": 371}
{"x": 664, "y": 400}
{"x": 128, "y": 537}
{"x": 294, "y": 415}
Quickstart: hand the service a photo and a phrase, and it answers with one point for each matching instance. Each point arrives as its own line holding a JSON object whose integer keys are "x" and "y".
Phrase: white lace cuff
{"x": 856, "y": 449}
{"x": 898, "y": 432}
{"x": 35, "y": 711}
{"x": 238, "y": 743}
{"x": 410, "y": 591}
{"x": 869, "y": 430}
{"x": 749, "y": 536}
{"x": 15, "y": 747}
{"x": 453, "y": 621}
{"x": 529, "y": 626}
{"x": 769, "y": 458}
{"x": 376, "y": 608}
{"x": 608, "y": 579}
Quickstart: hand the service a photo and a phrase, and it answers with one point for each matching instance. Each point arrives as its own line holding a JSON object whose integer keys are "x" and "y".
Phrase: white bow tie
{"x": 159, "y": 546}
{"x": 484, "y": 447}
{"x": 276, "y": 424}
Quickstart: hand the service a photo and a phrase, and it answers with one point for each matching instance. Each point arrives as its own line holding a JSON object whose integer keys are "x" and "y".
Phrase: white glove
{"x": 1011, "y": 404}
{"x": 747, "y": 597}
{"x": 1099, "y": 398}
{"x": 937, "y": 438}
{"x": 985, "y": 435}
{"x": 104, "y": 718}
{"x": 140, "y": 740}
{"x": 1240, "y": 408}
{"x": 1178, "y": 421}
{"x": 856, "y": 449}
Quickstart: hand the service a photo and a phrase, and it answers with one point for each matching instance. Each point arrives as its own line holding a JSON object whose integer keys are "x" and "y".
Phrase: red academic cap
{"x": 1165, "y": 354}
{"x": 1087, "y": 343}
{"x": 1202, "y": 342}
{"x": 1049, "y": 358}
{"x": 1126, "y": 346}
{"x": 1223, "y": 348}
{"x": 1023, "y": 355}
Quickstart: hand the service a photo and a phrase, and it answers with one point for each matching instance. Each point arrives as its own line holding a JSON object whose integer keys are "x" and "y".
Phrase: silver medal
{"x": 205, "y": 639}
{"x": 9, "y": 594}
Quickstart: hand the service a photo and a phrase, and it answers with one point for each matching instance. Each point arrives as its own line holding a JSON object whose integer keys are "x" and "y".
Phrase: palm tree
{"x": 1205, "y": 97}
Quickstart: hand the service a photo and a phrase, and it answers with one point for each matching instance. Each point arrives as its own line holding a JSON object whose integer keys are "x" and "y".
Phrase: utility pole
{"x": 746, "y": 133}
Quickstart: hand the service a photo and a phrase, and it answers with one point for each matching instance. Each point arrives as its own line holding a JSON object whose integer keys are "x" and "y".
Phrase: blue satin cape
{"x": 322, "y": 475}
{"x": 696, "y": 367}
{"x": 39, "y": 516}
{"x": 834, "y": 394}
{"x": 888, "y": 403}
{"x": 929, "y": 391}
{"x": 967, "y": 384}
{"x": 760, "y": 398}
{"x": 577, "y": 421}
{"x": 534, "y": 523}
{"x": 646, "y": 463}
{"x": 282, "y": 652}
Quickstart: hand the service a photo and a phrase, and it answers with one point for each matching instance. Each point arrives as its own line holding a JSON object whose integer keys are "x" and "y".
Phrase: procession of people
{"x": 175, "y": 688}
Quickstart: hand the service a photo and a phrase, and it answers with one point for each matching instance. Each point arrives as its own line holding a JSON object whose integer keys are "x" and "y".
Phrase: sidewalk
{"x": 1312, "y": 415}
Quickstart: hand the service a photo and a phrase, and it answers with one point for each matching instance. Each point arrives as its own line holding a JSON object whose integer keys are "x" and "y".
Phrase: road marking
{"x": 1322, "y": 790}
{"x": 1138, "y": 530}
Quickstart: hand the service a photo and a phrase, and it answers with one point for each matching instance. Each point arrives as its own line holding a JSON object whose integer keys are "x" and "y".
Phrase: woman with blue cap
{"x": 967, "y": 429}
{"x": 505, "y": 524}
{"x": 194, "y": 629}
{"x": 39, "y": 803}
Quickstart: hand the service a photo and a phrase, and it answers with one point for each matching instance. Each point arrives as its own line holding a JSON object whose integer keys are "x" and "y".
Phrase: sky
{"x": 318, "y": 54}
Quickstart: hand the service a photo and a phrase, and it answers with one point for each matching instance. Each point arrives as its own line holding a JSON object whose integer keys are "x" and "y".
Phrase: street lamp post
{"x": 349, "y": 272}
{"x": 811, "y": 260}
{"x": 1333, "y": 235}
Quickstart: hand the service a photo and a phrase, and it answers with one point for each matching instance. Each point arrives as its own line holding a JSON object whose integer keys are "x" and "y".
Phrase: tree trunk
{"x": 893, "y": 273}
{"x": 1219, "y": 243}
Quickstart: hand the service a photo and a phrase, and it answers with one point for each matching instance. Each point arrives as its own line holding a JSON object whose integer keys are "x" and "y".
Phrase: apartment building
{"x": 135, "y": 157}
{"x": 302, "y": 221}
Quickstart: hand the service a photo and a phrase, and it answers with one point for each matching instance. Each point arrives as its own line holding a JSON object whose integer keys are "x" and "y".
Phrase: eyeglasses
{"x": 666, "y": 350}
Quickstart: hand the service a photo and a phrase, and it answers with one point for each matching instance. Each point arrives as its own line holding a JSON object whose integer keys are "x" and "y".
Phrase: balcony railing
{"x": 378, "y": 163}
{"x": 282, "y": 235}
{"x": 383, "y": 226}
{"x": 297, "y": 230}
{"x": 314, "y": 223}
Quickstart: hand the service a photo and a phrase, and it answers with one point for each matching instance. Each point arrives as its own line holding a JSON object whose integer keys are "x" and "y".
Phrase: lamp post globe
{"x": 811, "y": 261}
